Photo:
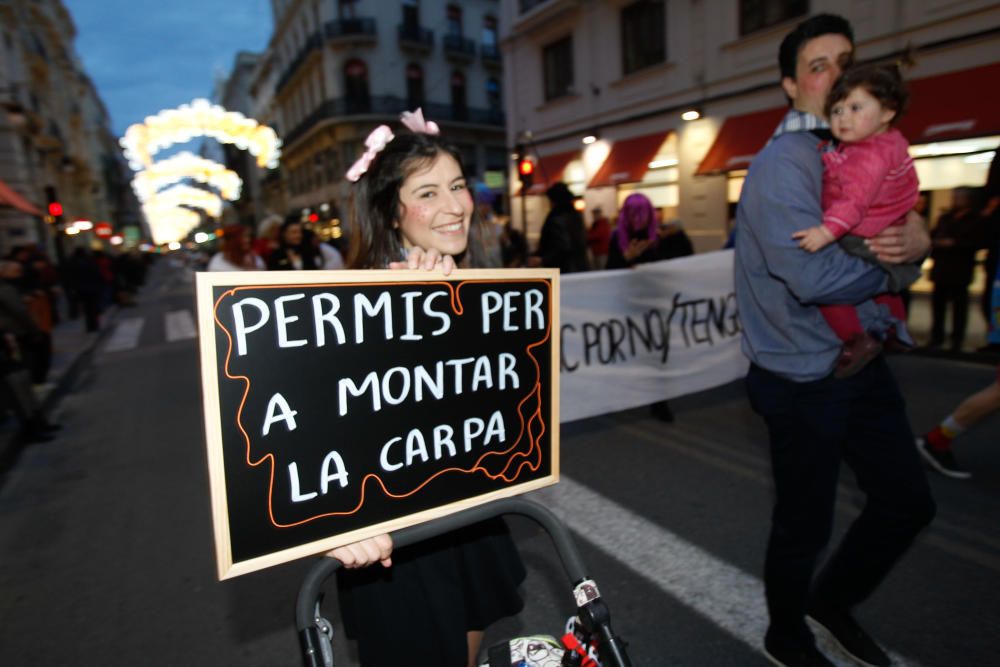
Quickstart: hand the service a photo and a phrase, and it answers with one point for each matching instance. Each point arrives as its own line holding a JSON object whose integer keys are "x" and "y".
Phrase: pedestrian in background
{"x": 431, "y": 602}
{"x": 562, "y": 243}
{"x": 639, "y": 236}
{"x": 513, "y": 247}
{"x": 331, "y": 258}
{"x": 955, "y": 239}
{"x": 86, "y": 285}
{"x": 17, "y": 326}
{"x": 295, "y": 252}
{"x": 815, "y": 421}
{"x": 598, "y": 238}
{"x": 936, "y": 445}
{"x": 235, "y": 253}
{"x": 637, "y": 239}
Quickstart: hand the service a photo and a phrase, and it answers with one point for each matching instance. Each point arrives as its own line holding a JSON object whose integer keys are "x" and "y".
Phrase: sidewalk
{"x": 71, "y": 347}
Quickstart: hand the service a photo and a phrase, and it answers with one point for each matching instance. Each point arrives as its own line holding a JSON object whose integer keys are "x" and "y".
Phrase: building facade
{"x": 55, "y": 138}
{"x": 604, "y": 87}
{"x": 335, "y": 69}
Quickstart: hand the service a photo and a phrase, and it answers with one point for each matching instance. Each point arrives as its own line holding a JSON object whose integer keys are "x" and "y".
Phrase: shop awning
{"x": 10, "y": 197}
{"x": 956, "y": 105}
{"x": 628, "y": 160}
{"x": 549, "y": 170}
{"x": 739, "y": 140}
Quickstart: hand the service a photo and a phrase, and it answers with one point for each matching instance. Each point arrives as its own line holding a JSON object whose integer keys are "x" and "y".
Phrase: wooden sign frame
{"x": 538, "y": 431}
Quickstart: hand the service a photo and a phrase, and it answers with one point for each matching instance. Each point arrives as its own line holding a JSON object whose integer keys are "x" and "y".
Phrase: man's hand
{"x": 902, "y": 244}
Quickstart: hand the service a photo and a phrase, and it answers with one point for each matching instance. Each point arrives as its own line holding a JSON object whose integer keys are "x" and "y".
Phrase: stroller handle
{"x": 305, "y": 606}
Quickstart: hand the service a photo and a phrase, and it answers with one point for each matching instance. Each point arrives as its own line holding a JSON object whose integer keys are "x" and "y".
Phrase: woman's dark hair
{"x": 883, "y": 82}
{"x": 812, "y": 27}
{"x": 376, "y": 209}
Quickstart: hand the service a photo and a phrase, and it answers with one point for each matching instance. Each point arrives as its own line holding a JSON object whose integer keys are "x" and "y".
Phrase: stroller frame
{"x": 595, "y": 617}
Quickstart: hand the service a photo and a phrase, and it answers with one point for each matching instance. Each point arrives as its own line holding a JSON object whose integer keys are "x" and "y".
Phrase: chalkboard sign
{"x": 344, "y": 404}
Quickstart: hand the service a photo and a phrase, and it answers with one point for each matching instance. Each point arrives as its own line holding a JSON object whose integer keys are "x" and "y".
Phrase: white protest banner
{"x": 631, "y": 337}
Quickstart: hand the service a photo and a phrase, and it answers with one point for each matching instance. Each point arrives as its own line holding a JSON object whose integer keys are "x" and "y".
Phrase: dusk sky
{"x": 148, "y": 56}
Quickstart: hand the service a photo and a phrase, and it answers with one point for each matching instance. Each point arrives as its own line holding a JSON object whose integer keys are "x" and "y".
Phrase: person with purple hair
{"x": 639, "y": 237}
{"x": 636, "y": 240}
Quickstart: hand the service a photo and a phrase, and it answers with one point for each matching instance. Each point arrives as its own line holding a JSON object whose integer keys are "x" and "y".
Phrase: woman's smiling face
{"x": 436, "y": 207}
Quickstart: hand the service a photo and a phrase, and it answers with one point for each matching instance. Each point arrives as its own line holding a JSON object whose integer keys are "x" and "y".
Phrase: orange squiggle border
{"x": 536, "y": 416}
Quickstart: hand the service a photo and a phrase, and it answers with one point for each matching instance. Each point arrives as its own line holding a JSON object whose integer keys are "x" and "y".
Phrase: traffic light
{"x": 55, "y": 209}
{"x": 526, "y": 171}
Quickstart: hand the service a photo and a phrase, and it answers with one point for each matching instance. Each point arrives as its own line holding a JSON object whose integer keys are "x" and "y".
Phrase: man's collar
{"x": 799, "y": 121}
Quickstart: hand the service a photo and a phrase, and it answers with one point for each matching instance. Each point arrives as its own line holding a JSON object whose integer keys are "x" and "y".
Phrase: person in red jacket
{"x": 869, "y": 183}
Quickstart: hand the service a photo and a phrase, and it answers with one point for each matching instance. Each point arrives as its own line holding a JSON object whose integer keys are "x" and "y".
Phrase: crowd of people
{"x": 36, "y": 295}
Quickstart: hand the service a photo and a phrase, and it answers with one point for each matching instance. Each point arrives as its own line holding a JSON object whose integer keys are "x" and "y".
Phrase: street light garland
{"x": 167, "y": 203}
{"x": 185, "y": 165}
{"x": 201, "y": 118}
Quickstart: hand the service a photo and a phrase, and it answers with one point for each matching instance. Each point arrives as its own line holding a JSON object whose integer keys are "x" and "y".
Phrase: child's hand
{"x": 814, "y": 238}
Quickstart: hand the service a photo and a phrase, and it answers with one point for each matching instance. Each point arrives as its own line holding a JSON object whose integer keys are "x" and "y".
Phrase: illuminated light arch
{"x": 187, "y": 195}
{"x": 172, "y": 170}
{"x": 200, "y": 118}
{"x": 171, "y": 223}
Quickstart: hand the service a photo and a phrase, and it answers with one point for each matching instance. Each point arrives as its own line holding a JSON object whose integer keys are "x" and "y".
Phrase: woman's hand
{"x": 418, "y": 258}
{"x": 902, "y": 244}
{"x": 365, "y": 552}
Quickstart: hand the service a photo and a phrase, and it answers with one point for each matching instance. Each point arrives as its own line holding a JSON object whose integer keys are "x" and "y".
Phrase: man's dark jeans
{"x": 860, "y": 420}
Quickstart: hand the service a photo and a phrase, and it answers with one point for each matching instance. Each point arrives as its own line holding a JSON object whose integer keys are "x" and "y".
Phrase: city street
{"x": 107, "y": 554}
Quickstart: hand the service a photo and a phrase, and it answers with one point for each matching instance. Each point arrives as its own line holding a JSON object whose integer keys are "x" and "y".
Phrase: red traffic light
{"x": 526, "y": 167}
{"x": 55, "y": 209}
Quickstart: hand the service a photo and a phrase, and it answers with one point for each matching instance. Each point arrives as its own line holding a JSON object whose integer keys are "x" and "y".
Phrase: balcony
{"x": 313, "y": 43}
{"x": 351, "y": 31}
{"x": 415, "y": 38}
{"x": 459, "y": 48}
{"x": 389, "y": 106}
{"x": 490, "y": 55}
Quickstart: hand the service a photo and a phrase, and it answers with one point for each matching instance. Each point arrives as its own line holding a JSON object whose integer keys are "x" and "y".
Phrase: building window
{"x": 459, "y": 109}
{"x": 758, "y": 14}
{"x": 347, "y": 9}
{"x": 331, "y": 165}
{"x": 454, "y": 20}
{"x": 411, "y": 15}
{"x": 528, "y": 5}
{"x": 356, "y": 86}
{"x": 644, "y": 35}
{"x": 489, "y": 38}
{"x": 557, "y": 61}
{"x": 493, "y": 94}
{"x": 414, "y": 86}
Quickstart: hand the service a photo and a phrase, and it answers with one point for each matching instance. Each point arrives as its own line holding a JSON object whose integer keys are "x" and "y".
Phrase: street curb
{"x": 11, "y": 446}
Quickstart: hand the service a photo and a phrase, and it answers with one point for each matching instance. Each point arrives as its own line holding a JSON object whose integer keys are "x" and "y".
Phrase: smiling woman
{"x": 414, "y": 194}
{"x": 412, "y": 202}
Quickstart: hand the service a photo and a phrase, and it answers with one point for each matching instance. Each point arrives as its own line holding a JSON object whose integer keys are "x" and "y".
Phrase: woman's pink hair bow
{"x": 375, "y": 142}
{"x": 414, "y": 121}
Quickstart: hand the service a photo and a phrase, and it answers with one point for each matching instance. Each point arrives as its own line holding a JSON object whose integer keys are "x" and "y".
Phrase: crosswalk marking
{"x": 126, "y": 335}
{"x": 727, "y": 596}
{"x": 179, "y": 325}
